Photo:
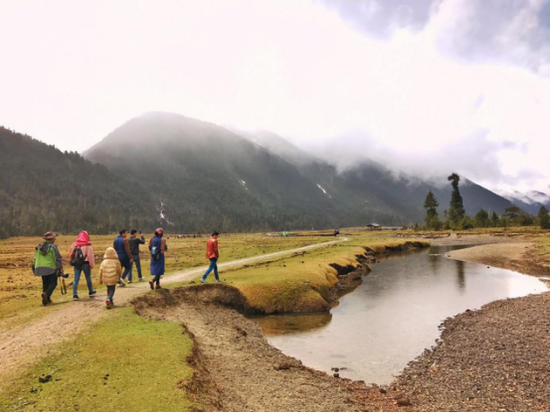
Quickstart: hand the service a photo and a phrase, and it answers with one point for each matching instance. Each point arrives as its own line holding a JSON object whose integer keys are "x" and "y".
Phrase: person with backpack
{"x": 134, "y": 243}
{"x": 83, "y": 259}
{"x": 124, "y": 254}
{"x": 110, "y": 272}
{"x": 157, "y": 246}
{"x": 212, "y": 254}
{"x": 47, "y": 264}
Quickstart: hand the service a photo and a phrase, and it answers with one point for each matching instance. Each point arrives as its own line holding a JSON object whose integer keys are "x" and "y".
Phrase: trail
{"x": 22, "y": 345}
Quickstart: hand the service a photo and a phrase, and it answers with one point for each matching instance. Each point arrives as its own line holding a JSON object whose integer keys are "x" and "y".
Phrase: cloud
{"x": 511, "y": 31}
{"x": 421, "y": 85}
{"x": 382, "y": 17}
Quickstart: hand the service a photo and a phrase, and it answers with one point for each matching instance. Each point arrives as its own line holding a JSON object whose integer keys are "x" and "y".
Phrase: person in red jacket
{"x": 213, "y": 255}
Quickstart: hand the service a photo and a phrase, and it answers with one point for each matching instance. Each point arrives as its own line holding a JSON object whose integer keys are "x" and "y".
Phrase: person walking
{"x": 157, "y": 246}
{"x": 122, "y": 249}
{"x": 110, "y": 272}
{"x": 83, "y": 259}
{"x": 213, "y": 255}
{"x": 134, "y": 243}
{"x": 47, "y": 264}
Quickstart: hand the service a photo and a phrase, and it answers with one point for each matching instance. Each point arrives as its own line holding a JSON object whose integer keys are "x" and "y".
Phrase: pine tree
{"x": 544, "y": 218}
{"x": 495, "y": 220}
{"x": 456, "y": 209}
{"x": 481, "y": 219}
{"x": 432, "y": 218}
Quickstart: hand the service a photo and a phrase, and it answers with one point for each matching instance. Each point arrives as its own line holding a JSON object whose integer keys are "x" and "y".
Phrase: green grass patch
{"x": 301, "y": 283}
{"x": 124, "y": 363}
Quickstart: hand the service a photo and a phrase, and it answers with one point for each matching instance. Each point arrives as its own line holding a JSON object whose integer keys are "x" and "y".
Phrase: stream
{"x": 394, "y": 314}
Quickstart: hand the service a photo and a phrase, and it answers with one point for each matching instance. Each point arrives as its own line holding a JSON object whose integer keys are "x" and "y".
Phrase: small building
{"x": 374, "y": 226}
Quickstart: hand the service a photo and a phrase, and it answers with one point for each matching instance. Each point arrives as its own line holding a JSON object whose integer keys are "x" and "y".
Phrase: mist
{"x": 423, "y": 87}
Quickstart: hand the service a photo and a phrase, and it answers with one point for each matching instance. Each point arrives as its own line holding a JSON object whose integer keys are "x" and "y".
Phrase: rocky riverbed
{"x": 493, "y": 359}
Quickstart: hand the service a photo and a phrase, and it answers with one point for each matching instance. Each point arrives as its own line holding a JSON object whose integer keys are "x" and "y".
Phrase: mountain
{"x": 530, "y": 202}
{"x": 45, "y": 189}
{"x": 210, "y": 177}
{"x": 189, "y": 175}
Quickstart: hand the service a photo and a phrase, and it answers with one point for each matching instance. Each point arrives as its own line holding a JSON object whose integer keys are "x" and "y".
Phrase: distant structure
{"x": 374, "y": 226}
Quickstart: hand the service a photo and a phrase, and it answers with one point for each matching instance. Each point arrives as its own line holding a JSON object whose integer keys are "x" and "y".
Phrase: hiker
{"x": 134, "y": 243}
{"x": 82, "y": 258}
{"x": 110, "y": 272}
{"x": 157, "y": 246}
{"x": 122, "y": 249}
{"x": 47, "y": 264}
{"x": 213, "y": 255}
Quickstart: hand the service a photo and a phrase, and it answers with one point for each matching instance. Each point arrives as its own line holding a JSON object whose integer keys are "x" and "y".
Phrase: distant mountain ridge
{"x": 189, "y": 175}
{"x": 284, "y": 187}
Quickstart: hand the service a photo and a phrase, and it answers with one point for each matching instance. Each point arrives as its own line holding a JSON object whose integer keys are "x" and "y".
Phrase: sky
{"x": 423, "y": 86}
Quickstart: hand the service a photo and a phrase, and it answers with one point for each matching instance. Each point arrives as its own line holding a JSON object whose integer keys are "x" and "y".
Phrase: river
{"x": 393, "y": 315}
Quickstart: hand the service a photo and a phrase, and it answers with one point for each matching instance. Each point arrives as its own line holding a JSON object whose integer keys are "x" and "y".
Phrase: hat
{"x": 49, "y": 235}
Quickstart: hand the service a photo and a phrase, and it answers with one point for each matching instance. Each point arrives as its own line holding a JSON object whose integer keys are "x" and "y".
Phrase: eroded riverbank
{"x": 489, "y": 359}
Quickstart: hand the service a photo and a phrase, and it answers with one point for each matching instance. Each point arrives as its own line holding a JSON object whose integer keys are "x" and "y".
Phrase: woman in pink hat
{"x": 82, "y": 258}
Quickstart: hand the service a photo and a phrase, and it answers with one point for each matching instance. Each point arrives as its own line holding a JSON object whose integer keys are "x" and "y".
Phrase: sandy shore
{"x": 493, "y": 359}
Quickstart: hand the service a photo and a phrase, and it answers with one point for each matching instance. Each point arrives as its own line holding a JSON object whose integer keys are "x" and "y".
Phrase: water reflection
{"x": 279, "y": 325}
{"x": 460, "y": 275}
{"x": 394, "y": 314}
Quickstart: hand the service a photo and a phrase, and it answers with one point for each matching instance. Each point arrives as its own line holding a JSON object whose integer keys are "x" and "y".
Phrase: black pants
{"x": 156, "y": 279}
{"x": 111, "y": 292}
{"x": 49, "y": 283}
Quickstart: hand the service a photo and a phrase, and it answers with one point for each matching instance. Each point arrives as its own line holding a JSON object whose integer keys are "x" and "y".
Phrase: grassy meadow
{"x": 20, "y": 290}
{"x": 115, "y": 363}
{"x": 126, "y": 363}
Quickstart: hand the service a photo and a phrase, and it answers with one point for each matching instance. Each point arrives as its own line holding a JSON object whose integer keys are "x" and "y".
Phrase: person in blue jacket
{"x": 157, "y": 247}
{"x": 122, "y": 249}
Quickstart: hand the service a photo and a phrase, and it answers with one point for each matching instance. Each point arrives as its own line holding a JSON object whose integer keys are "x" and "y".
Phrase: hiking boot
{"x": 158, "y": 287}
{"x": 129, "y": 282}
{"x": 152, "y": 284}
{"x": 108, "y": 304}
{"x": 44, "y": 299}
{"x": 75, "y": 298}
{"x": 203, "y": 281}
{"x": 219, "y": 280}
{"x": 92, "y": 293}
{"x": 141, "y": 280}
{"x": 49, "y": 300}
{"x": 121, "y": 283}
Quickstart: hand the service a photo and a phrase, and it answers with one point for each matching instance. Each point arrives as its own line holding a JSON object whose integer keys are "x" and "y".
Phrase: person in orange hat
{"x": 47, "y": 264}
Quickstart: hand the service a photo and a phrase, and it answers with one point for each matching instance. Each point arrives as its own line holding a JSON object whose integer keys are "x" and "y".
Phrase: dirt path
{"x": 23, "y": 345}
{"x": 236, "y": 370}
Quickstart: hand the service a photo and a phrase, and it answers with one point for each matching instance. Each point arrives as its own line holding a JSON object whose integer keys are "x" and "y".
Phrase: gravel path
{"x": 493, "y": 359}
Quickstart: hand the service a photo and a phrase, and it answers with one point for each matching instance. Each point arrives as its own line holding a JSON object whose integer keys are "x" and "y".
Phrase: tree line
{"x": 455, "y": 216}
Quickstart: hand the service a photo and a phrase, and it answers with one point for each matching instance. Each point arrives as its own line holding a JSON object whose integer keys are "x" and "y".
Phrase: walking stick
{"x": 63, "y": 287}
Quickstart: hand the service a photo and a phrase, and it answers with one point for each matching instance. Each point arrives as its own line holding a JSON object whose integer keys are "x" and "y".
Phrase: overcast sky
{"x": 424, "y": 86}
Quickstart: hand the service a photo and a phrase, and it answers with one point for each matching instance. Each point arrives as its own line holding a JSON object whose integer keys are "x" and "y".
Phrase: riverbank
{"x": 492, "y": 359}
{"x": 63, "y": 335}
{"x": 237, "y": 370}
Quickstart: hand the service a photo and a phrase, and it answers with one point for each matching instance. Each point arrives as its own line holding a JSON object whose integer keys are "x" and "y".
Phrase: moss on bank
{"x": 124, "y": 363}
{"x": 304, "y": 282}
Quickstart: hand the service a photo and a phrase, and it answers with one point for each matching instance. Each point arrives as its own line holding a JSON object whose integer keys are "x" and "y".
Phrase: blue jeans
{"x": 87, "y": 273}
{"x": 213, "y": 267}
{"x": 138, "y": 267}
{"x": 125, "y": 263}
